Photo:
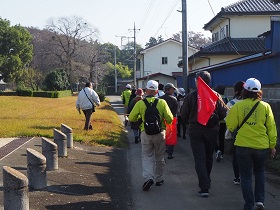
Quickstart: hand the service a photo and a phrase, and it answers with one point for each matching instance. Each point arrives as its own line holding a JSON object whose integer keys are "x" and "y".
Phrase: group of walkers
{"x": 246, "y": 121}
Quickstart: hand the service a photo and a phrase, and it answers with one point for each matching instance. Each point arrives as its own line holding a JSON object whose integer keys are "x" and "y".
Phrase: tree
{"x": 56, "y": 80}
{"x": 68, "y": 33}
{"x": 152, "y": 41}
{"x": 123, "y": 71}
{"x": 43, "y": 58}
{"x": 15, "y": 50}
{"x": 31, "y": 79}
{"x": 196, "y": 39}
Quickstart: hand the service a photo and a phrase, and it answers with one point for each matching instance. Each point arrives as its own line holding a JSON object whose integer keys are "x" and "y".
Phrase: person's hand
{"x": 79, "y": 110}
{"x": 273, "y": 152}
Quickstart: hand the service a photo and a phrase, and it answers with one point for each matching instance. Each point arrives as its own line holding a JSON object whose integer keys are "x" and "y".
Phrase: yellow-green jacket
{"x": 125, "y": 96}
{"x": 139, "y": 109}
{"x": 259, "y": 131}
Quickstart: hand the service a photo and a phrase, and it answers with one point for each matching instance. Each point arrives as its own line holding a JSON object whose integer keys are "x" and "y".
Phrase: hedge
{"x": 44, "y": 94}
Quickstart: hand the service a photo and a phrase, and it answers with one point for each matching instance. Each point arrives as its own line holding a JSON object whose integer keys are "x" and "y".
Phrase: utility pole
{"x": 115, "y": 63}
{"x": 185, "y": 45}
{"x": 134, "y": 55}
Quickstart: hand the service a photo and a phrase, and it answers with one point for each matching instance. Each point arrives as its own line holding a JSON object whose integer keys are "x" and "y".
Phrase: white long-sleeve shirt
{"x": 83, "y": 102}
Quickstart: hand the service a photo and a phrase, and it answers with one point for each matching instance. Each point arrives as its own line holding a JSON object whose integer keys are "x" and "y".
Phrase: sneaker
{"x": 259, "y": 205}
{"x": 236, "y": 181}
{"x": 218, "y": 156}
{"x": 160, "y": 183}
{"x": 203, "y": 193}
{"x": 146, "y": 186}
{"x": 170, "y": 157}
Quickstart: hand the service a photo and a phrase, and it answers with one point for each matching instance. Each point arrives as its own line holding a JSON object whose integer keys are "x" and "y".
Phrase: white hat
{"x": 152, "y": 85}
{"x": 252, "y": 85}
{"x": 181, "y": 91}
{"x": 128, "y": 86}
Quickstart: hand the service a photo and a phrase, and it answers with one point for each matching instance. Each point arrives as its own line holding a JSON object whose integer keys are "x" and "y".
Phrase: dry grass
{"x": 32, "y": 116}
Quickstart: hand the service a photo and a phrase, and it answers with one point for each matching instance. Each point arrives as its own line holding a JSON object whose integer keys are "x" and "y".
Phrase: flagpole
{"x": 221, "y": 100}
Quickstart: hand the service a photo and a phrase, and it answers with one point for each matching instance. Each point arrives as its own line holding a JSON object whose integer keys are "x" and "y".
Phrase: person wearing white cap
{"x": 153, "y": 146}
{"x": 125, "y": 99}
{"x": 255, "y": 139}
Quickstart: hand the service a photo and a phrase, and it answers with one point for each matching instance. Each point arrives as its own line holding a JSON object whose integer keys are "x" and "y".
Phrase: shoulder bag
{"x": 234, "y": 133}
{"x": 93, "y": 107}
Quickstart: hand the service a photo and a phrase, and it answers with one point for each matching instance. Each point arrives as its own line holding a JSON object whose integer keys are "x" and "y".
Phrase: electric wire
{"x": 168, "y": 15}
{"x": 230, "y": 42}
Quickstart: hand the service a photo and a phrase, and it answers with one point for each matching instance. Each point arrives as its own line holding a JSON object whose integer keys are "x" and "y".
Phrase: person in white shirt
{"x": 86, "y": 99}
{"x": 160, "y": 90}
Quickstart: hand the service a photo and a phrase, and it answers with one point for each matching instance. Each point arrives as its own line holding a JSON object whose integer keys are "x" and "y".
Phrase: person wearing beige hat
{"x": 255, "y": 139}
{"x": 153, "y": 145}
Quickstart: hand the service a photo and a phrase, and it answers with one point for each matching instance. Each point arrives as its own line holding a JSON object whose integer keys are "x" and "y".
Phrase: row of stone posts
{"x": 16, "y": 185}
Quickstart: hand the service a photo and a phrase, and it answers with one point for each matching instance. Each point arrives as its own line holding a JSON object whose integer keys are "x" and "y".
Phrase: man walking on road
{"x": 86, "y": 99}
{"x": 172, "y": 102}
{"x": 153, "y": 146}
{"x": 202, "y": 137}
{"x": 125, "y": 98}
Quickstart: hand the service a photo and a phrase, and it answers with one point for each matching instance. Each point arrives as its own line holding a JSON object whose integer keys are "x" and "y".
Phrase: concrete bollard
{"x": 49, "y": 150}
{"x": 36, "y": 169}
{"x": 61, "y": 140}
{"x": 15, "y": 189}
{"x": 69, "y": 133}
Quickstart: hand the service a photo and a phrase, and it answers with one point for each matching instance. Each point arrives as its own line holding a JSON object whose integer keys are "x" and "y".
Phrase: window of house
{"x": 215, "y": 37}
{"x": 224, "y": 32}
{"x": 164, "y": 60}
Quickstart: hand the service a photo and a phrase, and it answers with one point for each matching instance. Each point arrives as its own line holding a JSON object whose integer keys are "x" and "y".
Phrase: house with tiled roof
{"x": 235, "y": 31}
{"x": 263, "y": 65}
{"x": 160, "y": 62}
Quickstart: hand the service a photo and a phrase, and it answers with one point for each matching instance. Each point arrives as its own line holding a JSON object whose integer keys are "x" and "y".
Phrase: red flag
{"x": 206, "y": 101}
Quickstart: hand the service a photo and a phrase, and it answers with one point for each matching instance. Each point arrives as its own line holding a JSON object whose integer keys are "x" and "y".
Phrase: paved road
{"x": 181, "y": 185}
{"x": 108, "y": 178}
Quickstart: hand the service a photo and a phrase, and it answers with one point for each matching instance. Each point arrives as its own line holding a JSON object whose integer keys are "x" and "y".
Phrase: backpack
{"x": 152, "y": 124}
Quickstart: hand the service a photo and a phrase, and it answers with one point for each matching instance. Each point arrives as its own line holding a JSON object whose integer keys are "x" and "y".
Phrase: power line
{"x": 168, "y": 15}
{"x": 230, "y": 42}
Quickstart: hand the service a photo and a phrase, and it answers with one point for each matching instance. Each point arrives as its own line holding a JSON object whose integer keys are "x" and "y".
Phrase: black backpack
{"x": 152, "y": 124}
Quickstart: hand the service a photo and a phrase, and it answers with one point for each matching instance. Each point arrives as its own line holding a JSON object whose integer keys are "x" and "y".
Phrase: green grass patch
{"x": 32, "y": 116}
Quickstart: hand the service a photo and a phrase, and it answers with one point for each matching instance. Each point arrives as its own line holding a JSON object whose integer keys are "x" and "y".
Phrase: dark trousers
{"x": 169, "y": 149}
{"x": 235, "y": 164}
{"x": 221, "y": 144}
{"x": 88, "y": 113}
{"x": 202, "y": 144}
{"x": 184, "y": 125}
{"x": 252, "y": 161}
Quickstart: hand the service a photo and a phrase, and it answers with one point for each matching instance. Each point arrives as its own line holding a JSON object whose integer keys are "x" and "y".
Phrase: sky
{"x": 116, "y": 18}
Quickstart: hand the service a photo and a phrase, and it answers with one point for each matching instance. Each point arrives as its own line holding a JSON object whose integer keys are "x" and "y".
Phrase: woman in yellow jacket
{"x": 254, "y": 141}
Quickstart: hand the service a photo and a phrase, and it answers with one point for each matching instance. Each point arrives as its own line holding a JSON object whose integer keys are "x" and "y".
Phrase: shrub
{"x": 101, "y": 95}
{"x": 24, "y": 92}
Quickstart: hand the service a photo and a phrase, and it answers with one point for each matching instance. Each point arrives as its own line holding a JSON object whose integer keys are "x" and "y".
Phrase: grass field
{"x": 34, "y": 116}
